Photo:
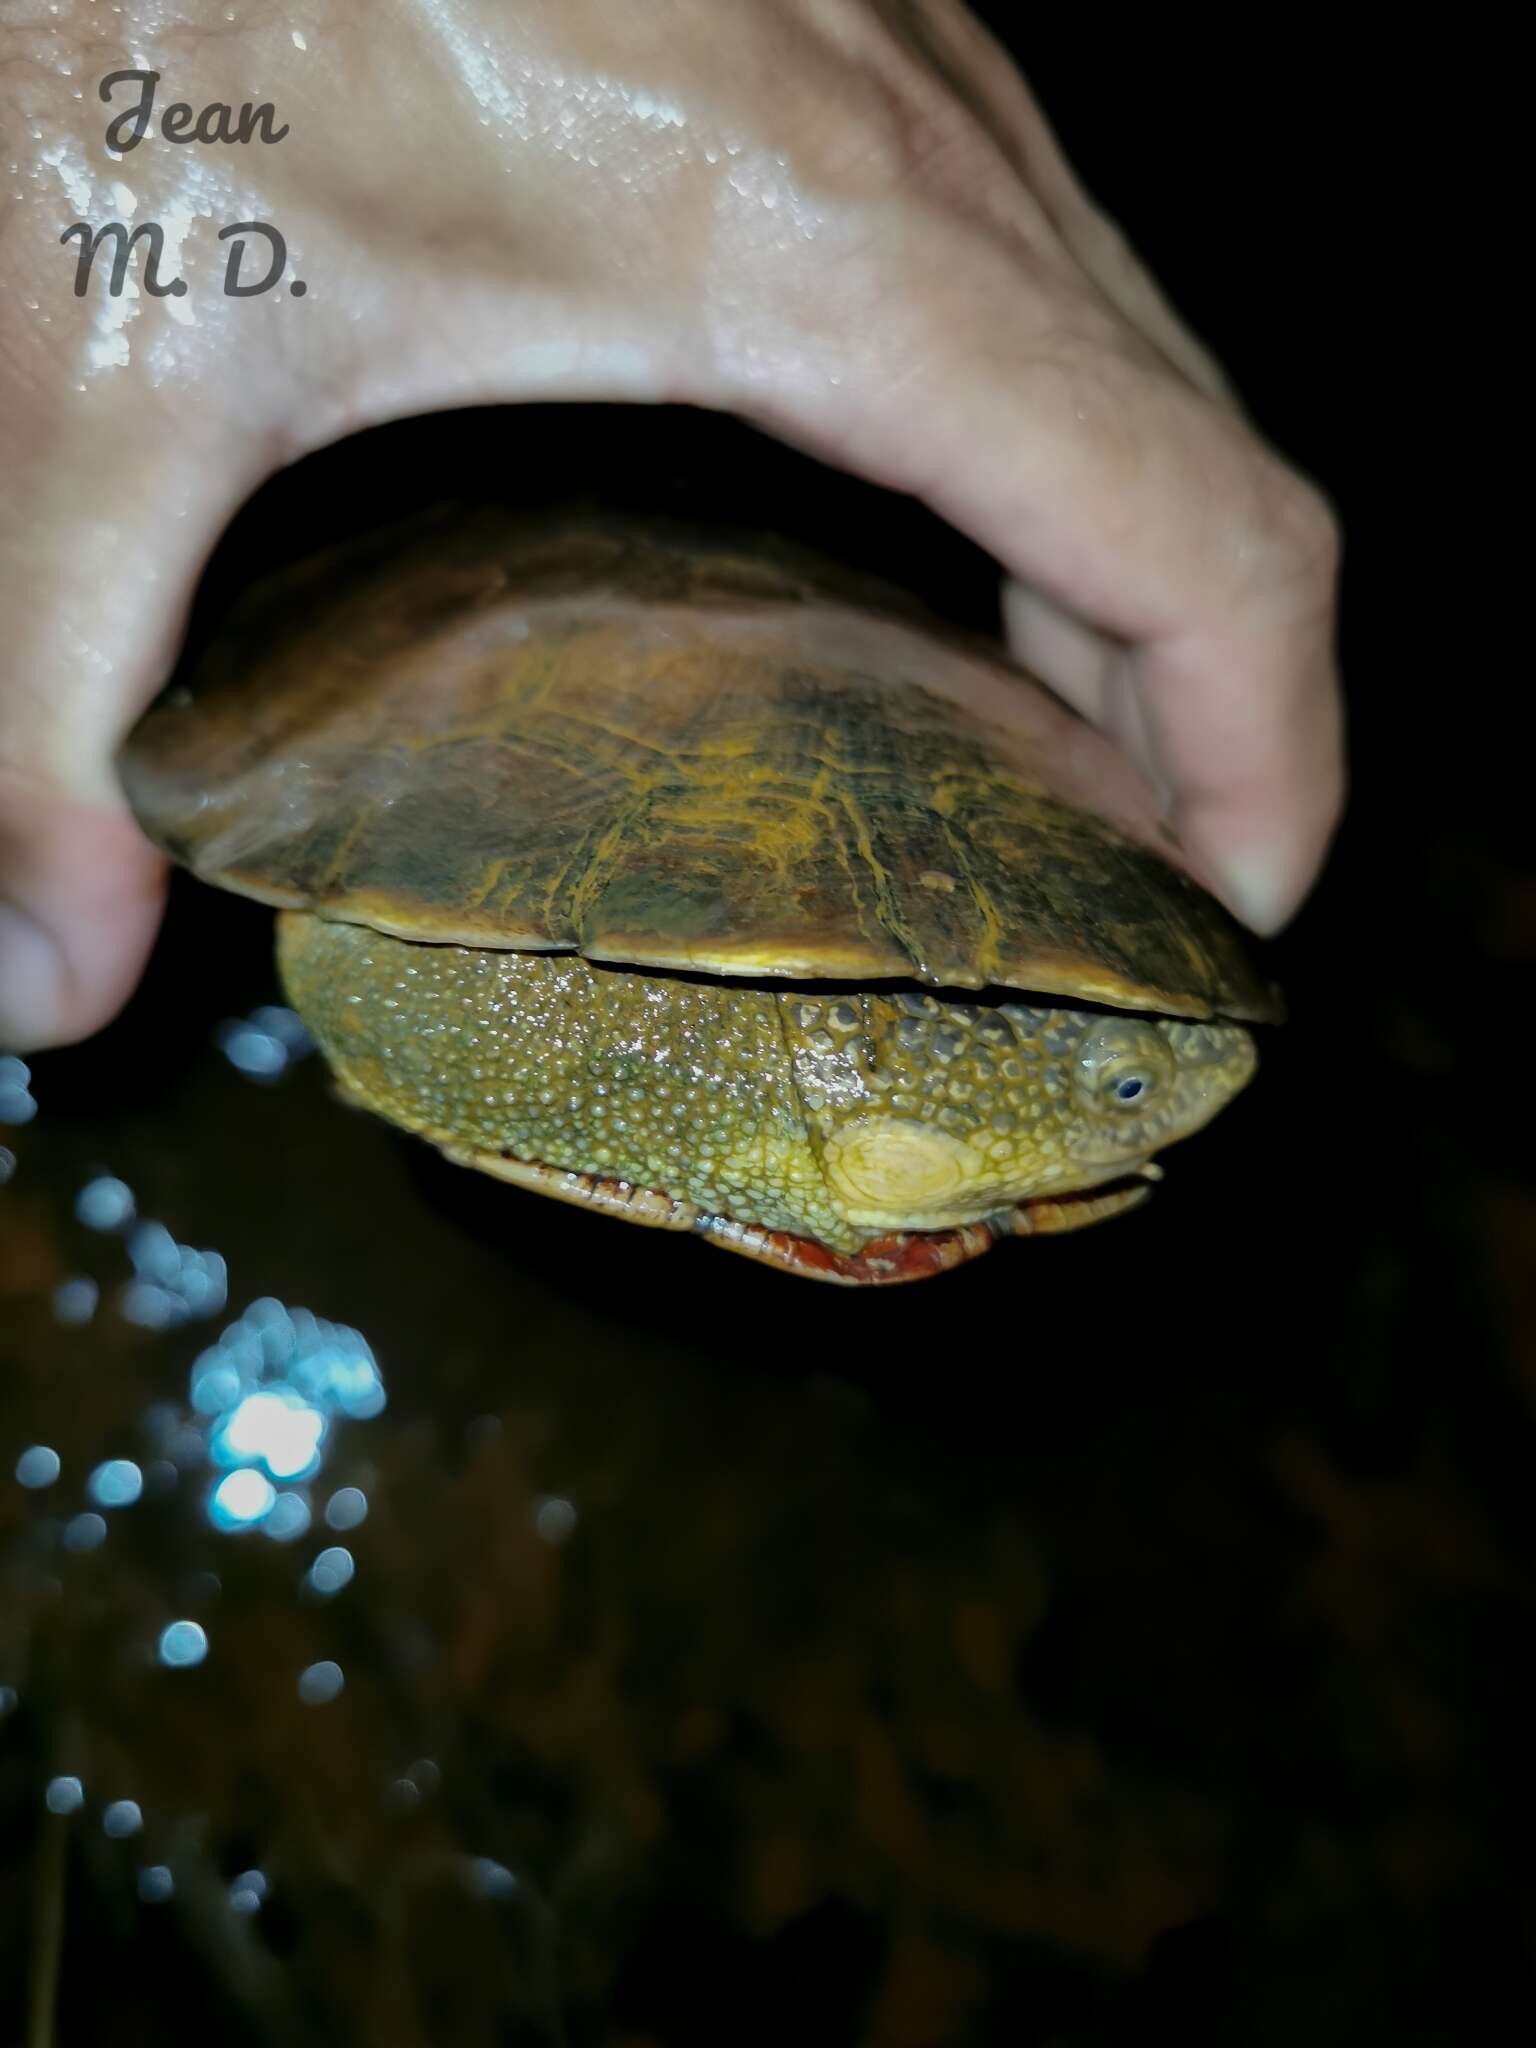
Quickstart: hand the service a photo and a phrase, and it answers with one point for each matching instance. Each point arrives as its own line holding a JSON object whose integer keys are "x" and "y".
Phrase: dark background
{"x": 1125, "y": 1639}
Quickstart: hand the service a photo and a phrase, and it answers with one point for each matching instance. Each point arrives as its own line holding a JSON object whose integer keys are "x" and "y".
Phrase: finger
{"x": 1002, "y": 98}
{"x": 1135, "y": 695}
{"x": 1036, "y": 424}
{"x": 1095, "y": 673}
{"x": 1247, "y": 720}
{"x": 1074, "y": 658}
{"x": 94, "y": 588}
{"x": 82, "y": 897}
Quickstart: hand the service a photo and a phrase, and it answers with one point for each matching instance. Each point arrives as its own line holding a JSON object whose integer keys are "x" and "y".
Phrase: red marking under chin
{"x": 917, "y": 1254}
{"x": 883, "y": 1262}
{"x": 886, "y": 1261}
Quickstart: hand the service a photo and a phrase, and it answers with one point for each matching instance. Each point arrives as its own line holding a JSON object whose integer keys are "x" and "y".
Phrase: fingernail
{"x": 1259, "y": 888}
{"x": 31, "y": 977}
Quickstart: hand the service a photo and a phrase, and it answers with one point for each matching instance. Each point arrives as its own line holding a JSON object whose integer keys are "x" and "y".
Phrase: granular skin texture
{"x": 826, "y": 1114}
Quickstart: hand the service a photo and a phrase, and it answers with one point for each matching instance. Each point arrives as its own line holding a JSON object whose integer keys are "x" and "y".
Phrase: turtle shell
{"x": 671, "y": 751}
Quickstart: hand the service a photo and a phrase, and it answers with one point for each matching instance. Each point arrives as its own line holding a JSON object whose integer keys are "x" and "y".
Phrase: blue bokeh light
{"x": 242, "y": 1499}
{"x": 274, "y": 1428}
{"x": 287, "y": 1025}
{"x": 116, "y": 1484}
{"x": 554, "y": 1518}
{"x": 38, "y": 1465}
{"x": 85, "y": 1532}
{"x": 289, "y": 1520}
{"x": 270, "y": 1392}
{"x": 16, "y": 1103}
{"x": 183, "y": 1644}
{"x": 257, "y": 1054}
{"x": 321, "y": 1683}
{"x": 74, "y": 1301}
{"x": 264, "y": 1045}
{"x": 105, "y": 1203}
{"x": 247, "y": 1892}
{"x": 172, "y": 1283}
{"x": 347, "y": 1508}
{"x": 331, "y": 1570}
{"x": 491, "y": 1879}
{"x": 121, "y": 1819}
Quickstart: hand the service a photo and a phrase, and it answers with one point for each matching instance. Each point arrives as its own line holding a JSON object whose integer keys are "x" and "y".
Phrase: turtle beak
{"x": 1047, "y": 1214}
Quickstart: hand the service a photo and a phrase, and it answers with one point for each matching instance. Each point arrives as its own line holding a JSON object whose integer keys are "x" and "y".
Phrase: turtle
{"x": 689, "y": 875}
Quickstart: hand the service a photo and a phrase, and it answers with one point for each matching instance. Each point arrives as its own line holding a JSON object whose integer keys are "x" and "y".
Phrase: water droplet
{"x": 156, "y": 1884}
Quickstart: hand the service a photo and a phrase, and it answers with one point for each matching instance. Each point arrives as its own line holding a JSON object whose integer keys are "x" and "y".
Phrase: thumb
{"x": 96, "y": 577}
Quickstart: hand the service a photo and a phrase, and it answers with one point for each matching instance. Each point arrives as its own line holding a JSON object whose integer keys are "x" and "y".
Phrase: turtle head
{"x": 924, "y": 1114}
{"x": 1140, "y": 1083}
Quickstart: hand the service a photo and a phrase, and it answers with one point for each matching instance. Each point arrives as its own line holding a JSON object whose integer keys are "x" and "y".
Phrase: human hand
{"x": 843, "y": 220}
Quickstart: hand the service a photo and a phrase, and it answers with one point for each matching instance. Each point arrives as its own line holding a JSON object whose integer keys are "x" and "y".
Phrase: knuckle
{"x": 1307, "y": 531}
{"x": 887, "y": 121}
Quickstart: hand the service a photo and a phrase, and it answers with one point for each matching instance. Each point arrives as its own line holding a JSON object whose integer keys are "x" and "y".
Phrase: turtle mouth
{"x": 887, "y": 1260}
{"x": 1045, "y": 1215}
{"x": 903, "y": 1255}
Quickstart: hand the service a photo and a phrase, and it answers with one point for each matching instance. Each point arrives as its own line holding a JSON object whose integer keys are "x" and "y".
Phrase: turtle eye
{"x": 1123, "y": 1069}
{"x": 1129, "y": 1089}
